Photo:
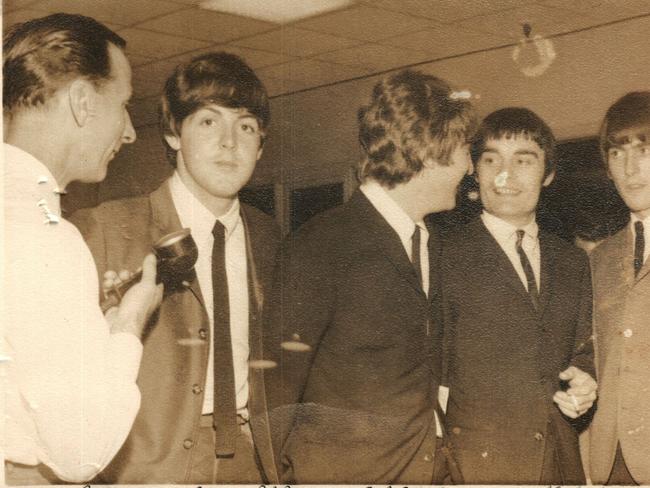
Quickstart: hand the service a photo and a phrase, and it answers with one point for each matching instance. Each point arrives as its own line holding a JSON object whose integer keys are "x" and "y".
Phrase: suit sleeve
{"x": 299, "y": 313}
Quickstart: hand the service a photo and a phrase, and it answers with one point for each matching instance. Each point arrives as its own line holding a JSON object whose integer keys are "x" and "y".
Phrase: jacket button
{"x": 188, "y": 443}
{"x": 456, "y": 430}
{"x": 203, "y": 333}
{"x": 196, "y": 389}
{"x": 427, "y": 458}
{"x": 539, "y": 436}
{"x": 627, "y": 333}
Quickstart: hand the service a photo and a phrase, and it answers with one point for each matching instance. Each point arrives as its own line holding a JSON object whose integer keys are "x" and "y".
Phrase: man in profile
{"x": 203, "y": 418}
{"x": 71, "y": 392}
{"x": 620, "y": 434}
{"x": 517, "y": 317}
{"x": 353, "y": 321}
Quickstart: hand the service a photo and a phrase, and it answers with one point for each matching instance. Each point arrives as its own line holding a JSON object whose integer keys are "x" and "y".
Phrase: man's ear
{"x": 81, "y": 96}
{"x": 259, "y": 153}
{"x": 547, "y": 181}
{"x": 174, "y": 141}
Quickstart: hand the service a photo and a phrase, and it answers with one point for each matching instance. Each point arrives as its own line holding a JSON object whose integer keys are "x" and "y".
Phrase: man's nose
{"x": 228, "y": 138}
{"x": 631, "y": 162}
{"x": 128, "y": 136}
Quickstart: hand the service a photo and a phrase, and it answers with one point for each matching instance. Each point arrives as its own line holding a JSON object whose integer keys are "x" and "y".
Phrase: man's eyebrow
{"x": 527, "y": 152}
{"x": 242, "y": 112}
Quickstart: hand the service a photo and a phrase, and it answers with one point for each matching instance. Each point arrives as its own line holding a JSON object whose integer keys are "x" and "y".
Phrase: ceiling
{"x": 369, "y": 37}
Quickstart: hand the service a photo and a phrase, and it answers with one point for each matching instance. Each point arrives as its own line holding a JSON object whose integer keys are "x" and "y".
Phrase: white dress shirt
{"x": 200, "y": 220}
{"x": 71, "y": 395}
{"x": 506, "y": 235}
{"x": 401, "y": 224}
{"x": 646, "y": 234}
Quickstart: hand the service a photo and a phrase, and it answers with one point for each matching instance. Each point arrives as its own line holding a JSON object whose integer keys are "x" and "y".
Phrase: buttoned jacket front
{"x": 176, "y": 343}
{"x": 503, "y": 356}
{"x": 622, "y": 328}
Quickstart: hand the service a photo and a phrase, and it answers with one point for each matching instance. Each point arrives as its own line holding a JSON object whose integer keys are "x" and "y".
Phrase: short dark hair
{"x": 631, "y": 111}
{"x": 218, "y": 77}
{"x": 42, "y": 55}
{"x": 513, "y": 122}
{"x": 412, "y": 117}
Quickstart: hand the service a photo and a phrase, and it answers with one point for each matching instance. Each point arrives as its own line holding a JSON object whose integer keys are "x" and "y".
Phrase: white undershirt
{"x": 196, "y": 216}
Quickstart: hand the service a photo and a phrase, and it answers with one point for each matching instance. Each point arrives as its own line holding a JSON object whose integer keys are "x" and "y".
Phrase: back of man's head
{"x": 630, "y": 112}
{"x": 41, "y": 56}
{"x": 411, "y": 117}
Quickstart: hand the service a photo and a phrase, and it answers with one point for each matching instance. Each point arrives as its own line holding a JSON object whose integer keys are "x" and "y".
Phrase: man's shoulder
{"x": 114, "y": 210}
{"x": 609, "y": 247}
{"x": 561, "y": 248}
{"x": 259, "y": 220}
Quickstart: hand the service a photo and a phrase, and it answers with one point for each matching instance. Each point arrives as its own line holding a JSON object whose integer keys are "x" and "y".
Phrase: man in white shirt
{"x": 517, "y": 317}
{"x": 619, "y": 437}
{"x": 354, "y": 317}
{"x": 203, "y": 418}
{"x": 69, "y": 370}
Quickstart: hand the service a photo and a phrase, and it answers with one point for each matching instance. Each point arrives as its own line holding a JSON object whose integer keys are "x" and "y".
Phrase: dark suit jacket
{"x": 621, "y": 322}
{"x": 360, "y": 402}
{"x": 176, "y": 345}
{"x": 504, "y": 357}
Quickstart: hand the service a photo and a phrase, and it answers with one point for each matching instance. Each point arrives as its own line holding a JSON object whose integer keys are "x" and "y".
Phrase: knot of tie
{"x": 218, "y": 231}
{"x": 520, "y": 236}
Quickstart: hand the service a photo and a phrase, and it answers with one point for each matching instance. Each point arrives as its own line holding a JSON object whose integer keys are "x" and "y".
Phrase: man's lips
{"x": 635, "y": 186}
{"x": 502, "y": 190}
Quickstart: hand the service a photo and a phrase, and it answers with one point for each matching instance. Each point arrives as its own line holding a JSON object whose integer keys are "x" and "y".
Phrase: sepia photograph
{"x": 325, "y": 242}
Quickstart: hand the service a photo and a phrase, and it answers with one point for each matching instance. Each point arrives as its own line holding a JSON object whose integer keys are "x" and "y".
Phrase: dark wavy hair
{"x": 411, "y": 117}
{"x": 513, "y": 122}
{"x": 42, "y": 55}
{"x": 218, "y": 77}
{"x": 631, "y": 111}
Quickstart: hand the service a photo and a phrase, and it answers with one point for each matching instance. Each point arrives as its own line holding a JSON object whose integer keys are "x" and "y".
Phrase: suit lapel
{"x": 496, "y": 256}
{"x": 166, "y": 221}
{"x": 387, "y": 240}
{"x": 623, "y": 258}
{"x": 547, "y": 271}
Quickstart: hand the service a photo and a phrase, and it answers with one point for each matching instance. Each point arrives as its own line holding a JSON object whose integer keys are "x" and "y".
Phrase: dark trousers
{"x": 620, "y": 475}
{"x": 206, "y": 468}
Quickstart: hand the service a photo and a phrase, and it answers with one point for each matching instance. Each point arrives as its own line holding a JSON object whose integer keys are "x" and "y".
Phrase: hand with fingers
{"x": 580, "y": 395}
{"x": 138, "y": 303}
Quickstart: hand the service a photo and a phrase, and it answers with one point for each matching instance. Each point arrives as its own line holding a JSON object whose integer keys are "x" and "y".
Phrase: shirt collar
{"x": 396, "y": 217}
{"x": 634, "y": 219}
{"x": 193, "y": 214}
{"x": 35, "y": 178}
{"x": 503, "y": 230}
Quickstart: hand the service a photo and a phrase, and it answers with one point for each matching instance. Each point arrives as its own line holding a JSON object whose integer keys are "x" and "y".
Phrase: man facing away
{"x": 70, "y": 370}
{"x": 517, "y": 317}
{"x": 203, "y": 415}
{"x": 620, "y": 433}
{"x": 353, "y": 318}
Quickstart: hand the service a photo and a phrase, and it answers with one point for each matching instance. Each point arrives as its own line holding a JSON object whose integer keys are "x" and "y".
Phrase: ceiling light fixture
{"x": 278, "y": 11}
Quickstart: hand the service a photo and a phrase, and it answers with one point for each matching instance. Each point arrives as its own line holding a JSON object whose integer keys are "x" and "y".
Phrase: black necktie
{"x": 639, "y": 246}
{"x": 415, "y": 254}
{"x": 528, "y": 271}
{"x": 225, "y": 412}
